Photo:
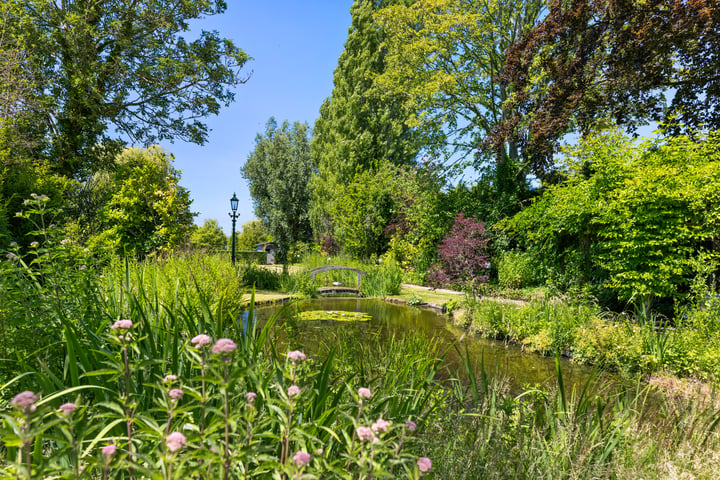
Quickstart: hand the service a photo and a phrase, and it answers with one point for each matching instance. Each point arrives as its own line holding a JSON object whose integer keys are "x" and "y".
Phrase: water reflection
{"x": 521, "y": 369}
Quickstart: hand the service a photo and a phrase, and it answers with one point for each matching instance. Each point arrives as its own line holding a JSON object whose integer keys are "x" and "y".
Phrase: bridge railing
{"x": 328, "y": 268}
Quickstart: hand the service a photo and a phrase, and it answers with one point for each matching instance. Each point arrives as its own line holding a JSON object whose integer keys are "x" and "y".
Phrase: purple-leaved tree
{"x": 462, "y": 255}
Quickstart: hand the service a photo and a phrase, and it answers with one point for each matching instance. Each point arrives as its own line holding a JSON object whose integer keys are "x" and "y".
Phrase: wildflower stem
{"x": 203, "y": 400}
{"x": 128, "y": 407}
{"x": 226, "y": 464}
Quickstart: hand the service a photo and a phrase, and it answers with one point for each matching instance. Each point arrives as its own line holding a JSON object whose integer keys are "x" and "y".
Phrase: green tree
{"x": 111, "y": 69}
{"x": 361, "y": 211}
{"x": 358, "y": 130}
{"x": 146, "y": 209}
{"x": 278, "y": 171}
{"x": 209, "y": 236}
{"x": 639, "y": 219}
{"x": 591, "y": 62}
{"x": 444, "y": 58}
{"x": 251, "y": 233}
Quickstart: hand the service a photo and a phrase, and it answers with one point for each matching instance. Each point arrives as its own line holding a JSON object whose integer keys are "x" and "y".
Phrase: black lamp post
{"x": 233, "y": 206}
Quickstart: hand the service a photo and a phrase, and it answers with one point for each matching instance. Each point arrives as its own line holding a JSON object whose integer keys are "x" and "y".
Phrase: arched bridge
{"x": 329, "y": 268}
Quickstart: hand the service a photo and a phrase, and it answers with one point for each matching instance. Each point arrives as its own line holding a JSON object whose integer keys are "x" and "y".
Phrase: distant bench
{"x": 328, "y": 268}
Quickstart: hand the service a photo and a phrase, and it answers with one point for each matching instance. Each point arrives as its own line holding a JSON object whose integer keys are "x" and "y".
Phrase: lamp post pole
{"x": 233, "y": 215}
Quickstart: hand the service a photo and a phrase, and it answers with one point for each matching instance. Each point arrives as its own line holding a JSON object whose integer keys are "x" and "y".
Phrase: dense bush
{"x": 516, "y": 269}
{"x": 462, "y": 255}
{"x": 634, "y": 219}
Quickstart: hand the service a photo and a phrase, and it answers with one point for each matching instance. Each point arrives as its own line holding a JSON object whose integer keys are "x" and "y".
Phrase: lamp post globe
{"x": 233, "y": 215}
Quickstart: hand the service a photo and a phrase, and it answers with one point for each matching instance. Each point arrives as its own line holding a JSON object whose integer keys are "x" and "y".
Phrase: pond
{"x": 386, "y": 320}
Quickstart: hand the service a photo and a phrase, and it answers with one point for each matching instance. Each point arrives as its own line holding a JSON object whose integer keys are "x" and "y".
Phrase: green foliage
{"x": 278, "y": 171}
{"x": 209, "y": 237}
{"x": 444, "y": 58}
{"x": 518, "y": 269}
{"x": 633, "y": 218}
{"x": 108, "y": 67}
{"x": 146, "y": 209}
{"x": 251, "y": 233}
{"x": 19, "y": 179}
{"x": 47, "y": 291}
{"x": 361, "y": 210}
{"x": 358, "y": 131}
{"x": 382, "y": 280}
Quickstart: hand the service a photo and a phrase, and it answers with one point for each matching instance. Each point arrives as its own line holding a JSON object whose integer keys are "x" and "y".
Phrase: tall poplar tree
{"x": 358, "y": 130}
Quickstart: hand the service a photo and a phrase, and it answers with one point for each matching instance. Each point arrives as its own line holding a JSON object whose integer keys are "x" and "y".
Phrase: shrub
{"x": 518, "y": 270}
{"x": 462, "y": 254}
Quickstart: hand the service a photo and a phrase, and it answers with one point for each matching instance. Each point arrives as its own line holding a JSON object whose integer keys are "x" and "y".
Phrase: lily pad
{"x": 338, "y": 316}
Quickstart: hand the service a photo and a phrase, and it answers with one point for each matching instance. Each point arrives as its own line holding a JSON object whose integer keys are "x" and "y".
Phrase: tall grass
{"x": 595, "y": 431}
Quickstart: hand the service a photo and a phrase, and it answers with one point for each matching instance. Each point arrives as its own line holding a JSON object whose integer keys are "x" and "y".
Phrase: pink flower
{"x": 251, "y": 396}
{"x": 175, "y": 394}
{"x": 122, "y": 324}
{"x": 25, "y": 401}
{"x": 224, "y": 345}
{"x": 169, "y": 378}
{"x": 200, "y": 340}
{"x": 296, "y": 355}
{"x": 109, "y": 450}
{"x": 175, "y": 441}
{"x": 364, "y": 433}
{"x": 380, "y": 426}
{"x": 293, "y": 391}
{"x": 67, "y": 408}
{"x": 302, "y": 458}
{"x": 424, "y": 464}
{"x": 364, "y": 392}
{"x": 10, "y": 256}
{"x": 410, "y": 425}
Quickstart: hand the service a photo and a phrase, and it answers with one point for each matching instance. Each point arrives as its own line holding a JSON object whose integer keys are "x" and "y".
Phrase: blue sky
{"x": 295, "y": 46}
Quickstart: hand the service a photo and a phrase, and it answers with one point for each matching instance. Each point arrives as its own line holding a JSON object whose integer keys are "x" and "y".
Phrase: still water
{"x": 509, "y": 361}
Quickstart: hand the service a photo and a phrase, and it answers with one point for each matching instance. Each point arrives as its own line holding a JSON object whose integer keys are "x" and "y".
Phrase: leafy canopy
{"x": 108, "y": 71}
{"x": 631, "y": 62}
{"x": 146, "y": 209}
{"x": 444, "y": 59}
{"x": 642, "y": 215}
{"x": 278, "y": 172}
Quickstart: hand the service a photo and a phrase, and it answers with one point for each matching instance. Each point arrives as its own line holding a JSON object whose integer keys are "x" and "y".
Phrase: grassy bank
{"x": 128, "y": 384}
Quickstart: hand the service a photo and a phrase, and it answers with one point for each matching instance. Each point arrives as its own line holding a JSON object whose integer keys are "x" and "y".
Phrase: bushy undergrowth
{"x": 642, "y": 342}
{"x": 231, "y": 409}
{"x": 592, "y": 431}
{"x": 148, "y": 371}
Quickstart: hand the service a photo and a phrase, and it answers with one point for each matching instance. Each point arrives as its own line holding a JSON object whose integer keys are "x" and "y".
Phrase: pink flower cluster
{"x": 364, "y": 433}
{"x": 175, "y": 394}
{"x": 109, "y": 450}
{"x": 169, "y": 378}
{"x": 251, "y": 396}
{"x": 67, "y": 408}
{"x": 175, "y": 441}
{"x": 410, "y": 425}
{"x": 364, "y": 393}
{"x": 424, "y": 464}
{"x": 224, "y": 345}
{"x": 296, "y": 355}
{"x": 200, "y": 340}
{"x": 25, "y": 401}
{"x": 380, "y": 426}
{"x": 293, "y": 391}
{"x": 301, "y": 458}
{"x": 122, "y": 325}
